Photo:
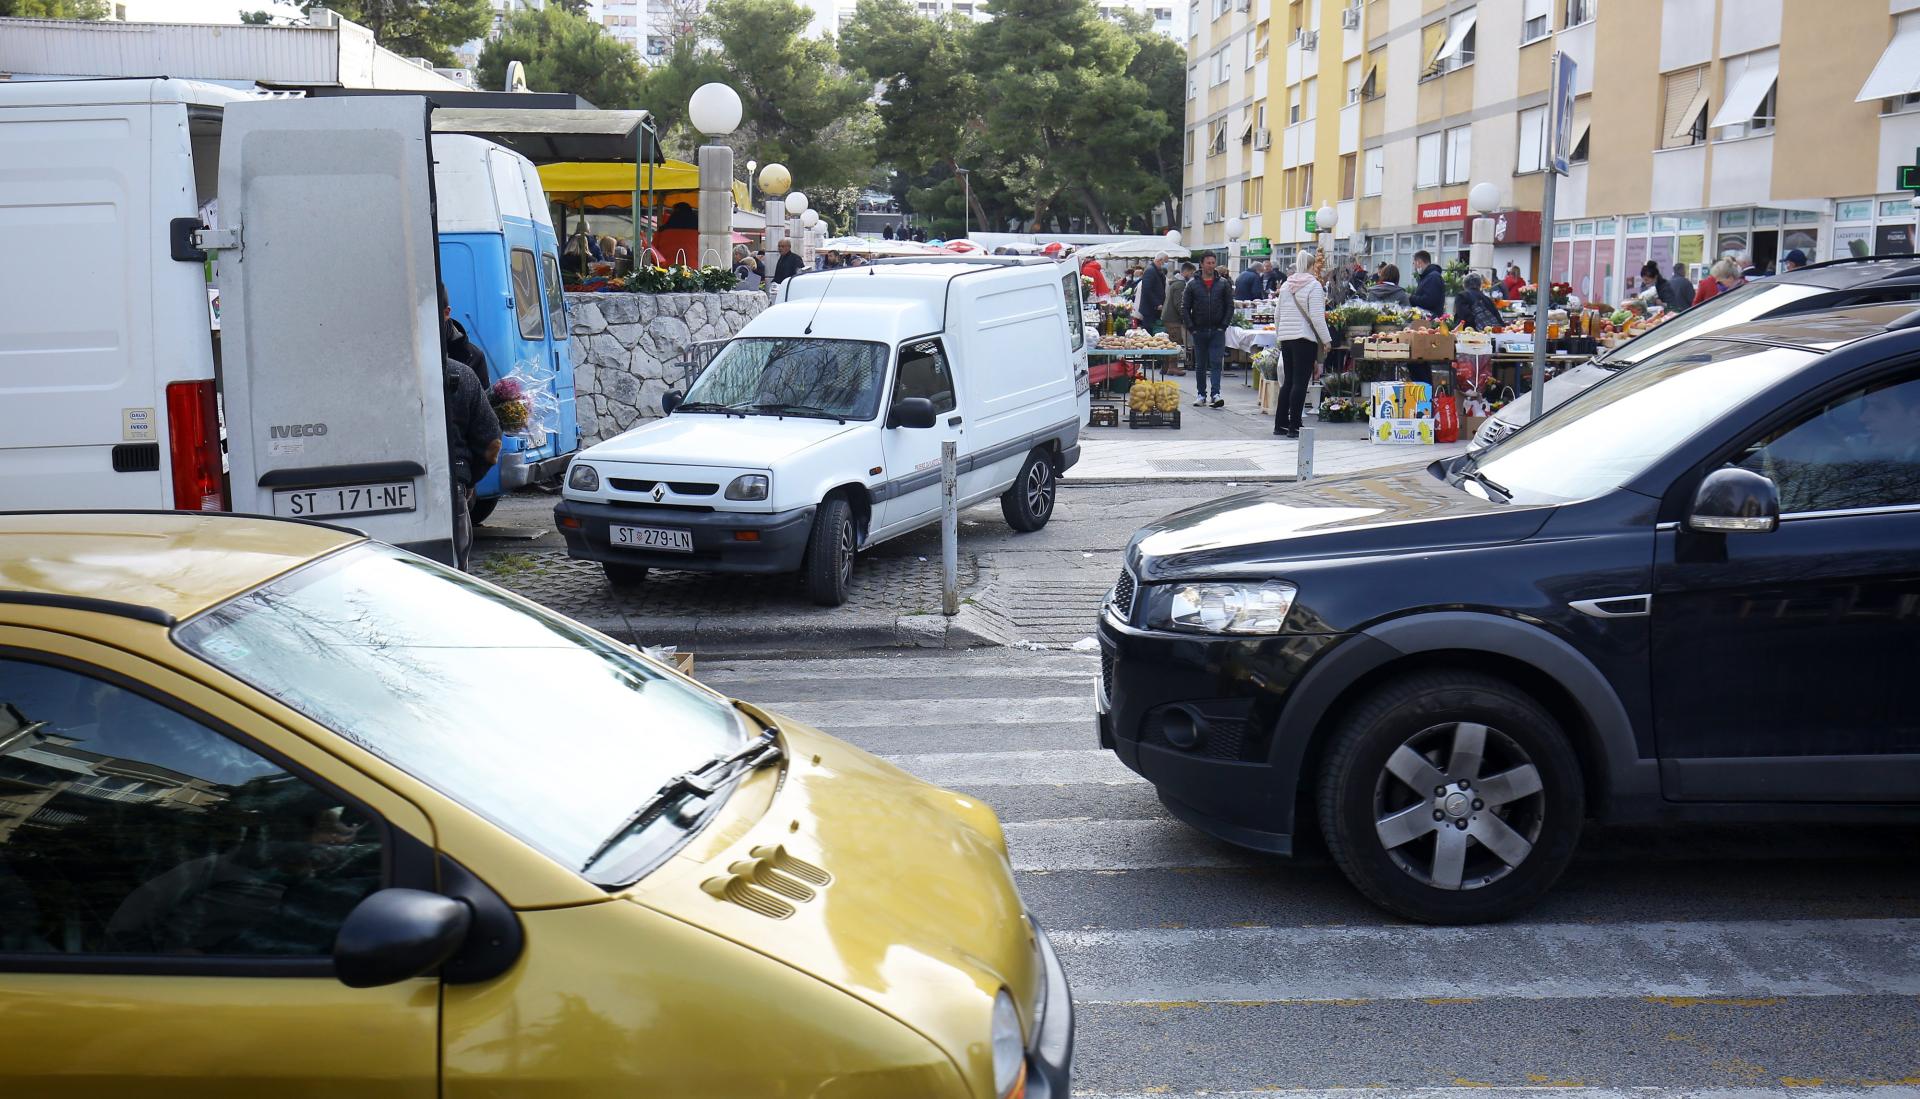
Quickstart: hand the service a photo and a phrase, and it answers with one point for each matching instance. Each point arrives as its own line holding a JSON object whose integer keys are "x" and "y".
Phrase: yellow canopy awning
{"x": 597, "y": 185}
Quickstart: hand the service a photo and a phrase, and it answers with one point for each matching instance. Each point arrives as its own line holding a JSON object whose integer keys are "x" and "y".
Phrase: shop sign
{"x": 1893, "y": 240}
{"x": 1906, "y": 177}
{"x": 1516, "y": 227}
{"x": 1257, "y": 247}
{"x": 1429, "y": 212}
{"x": 1691, "y": 250}
{"x": 1313, "y": 221}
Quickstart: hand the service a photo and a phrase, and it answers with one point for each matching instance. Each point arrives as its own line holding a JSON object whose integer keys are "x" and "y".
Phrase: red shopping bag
{"x": 1446, "y": 419}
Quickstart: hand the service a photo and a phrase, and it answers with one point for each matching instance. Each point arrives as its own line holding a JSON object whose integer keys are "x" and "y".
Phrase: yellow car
{"x": 286, "y": 812}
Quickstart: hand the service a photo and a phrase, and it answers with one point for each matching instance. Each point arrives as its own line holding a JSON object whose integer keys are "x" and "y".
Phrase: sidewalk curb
{"x": 1070, "y": 481}
{"x": 724, "y": 634}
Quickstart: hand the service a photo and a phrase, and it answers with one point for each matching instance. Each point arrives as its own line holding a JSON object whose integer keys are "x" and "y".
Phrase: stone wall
{"x": 627, "y": 347}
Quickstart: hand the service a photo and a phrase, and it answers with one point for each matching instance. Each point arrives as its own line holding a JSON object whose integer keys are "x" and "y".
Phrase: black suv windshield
{"x": 1736, "y": 306}
{"x": 1612, "y": 433}
{"x": 794, "y": 376}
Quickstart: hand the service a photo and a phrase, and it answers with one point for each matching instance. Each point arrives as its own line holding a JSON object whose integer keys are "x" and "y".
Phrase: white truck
{"x": 320, "y": 352}
{"x": 816, "y": 432}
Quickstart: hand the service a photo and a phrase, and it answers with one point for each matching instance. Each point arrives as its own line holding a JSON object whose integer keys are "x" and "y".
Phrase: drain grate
{"x": 1203, "y": 465}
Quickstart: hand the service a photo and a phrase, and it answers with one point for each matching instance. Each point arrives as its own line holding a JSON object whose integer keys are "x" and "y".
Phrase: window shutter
{"x": 1686, "y": 98}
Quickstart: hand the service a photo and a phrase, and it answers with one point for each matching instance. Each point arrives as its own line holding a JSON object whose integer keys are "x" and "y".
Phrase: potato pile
{"x": 1146, "y": 396}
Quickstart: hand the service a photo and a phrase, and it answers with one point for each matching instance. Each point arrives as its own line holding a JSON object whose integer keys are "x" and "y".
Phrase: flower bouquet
{"x": 510, "y": 405}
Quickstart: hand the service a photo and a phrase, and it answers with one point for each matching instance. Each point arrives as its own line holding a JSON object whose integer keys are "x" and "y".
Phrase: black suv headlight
{"x": 1221, "y": 606}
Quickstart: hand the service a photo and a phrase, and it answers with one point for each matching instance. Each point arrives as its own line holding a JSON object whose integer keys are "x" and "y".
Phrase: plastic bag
{"x": 525, "y": 404}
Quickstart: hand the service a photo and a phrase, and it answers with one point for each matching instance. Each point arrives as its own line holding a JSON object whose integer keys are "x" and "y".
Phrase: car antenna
{"x": 808, "y": 330}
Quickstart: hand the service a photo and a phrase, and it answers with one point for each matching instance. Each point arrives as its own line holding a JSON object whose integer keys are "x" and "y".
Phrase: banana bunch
{"x": 1149, "y": 396}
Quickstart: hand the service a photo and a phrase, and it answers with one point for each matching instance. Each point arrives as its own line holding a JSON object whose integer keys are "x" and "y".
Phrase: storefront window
{"x": 1766, "y": 217}
{"x": 1583, "y": 229}
{"x": 1666, "y": 225}
{"x": 1736, "y": 219}
{"x": 1801, "y": 217}
{"x": 1693, "y": 224}
{"x": 1852, "y": 241}
{"x": 1606, "y": 227}
{"x": 1562, "y": 230}
{"x": 1638, "y": 225}
{"x": 1898, "y": 207}
{"x": 1730, "y": 244}
{"x": 1860, "y": 209}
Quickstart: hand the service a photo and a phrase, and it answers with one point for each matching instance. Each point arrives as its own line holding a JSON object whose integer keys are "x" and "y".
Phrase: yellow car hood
{"x": 893, "y": 890}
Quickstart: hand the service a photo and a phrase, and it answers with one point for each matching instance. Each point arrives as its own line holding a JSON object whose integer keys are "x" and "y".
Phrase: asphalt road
{"x": 1732, "y": 963}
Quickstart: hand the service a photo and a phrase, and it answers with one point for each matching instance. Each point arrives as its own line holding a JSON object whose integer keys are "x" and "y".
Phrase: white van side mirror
{"x": 911, "y": 412}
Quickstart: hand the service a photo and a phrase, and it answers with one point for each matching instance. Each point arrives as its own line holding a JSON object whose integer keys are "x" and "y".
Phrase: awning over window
{"x": 1457, "y": 37}
{"x": 1749, "y": 78}
{"x": 1898, "y": 72}
{"x": 1532, "y": 9}
{"x": 1682, "y": 123}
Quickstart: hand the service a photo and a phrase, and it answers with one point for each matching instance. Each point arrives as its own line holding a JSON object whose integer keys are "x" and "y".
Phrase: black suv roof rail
{"x": 1911, "y": 320}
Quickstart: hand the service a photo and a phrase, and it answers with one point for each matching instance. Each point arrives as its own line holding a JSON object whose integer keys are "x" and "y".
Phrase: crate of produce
{"x": 1429, "y": 346}
{"x": 1390, "y": 346}
{"x": 1104, "y": 415}
{"x": 1154, "y": 419}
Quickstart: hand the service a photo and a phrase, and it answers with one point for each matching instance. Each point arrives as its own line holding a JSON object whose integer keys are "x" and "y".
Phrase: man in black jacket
{"x": 473, "y": 444}
{"x": 789, "y": 264}
{"x": 1151, "y": 299}
{"x": 1208, "y": 311}
{"x": 1251, "y": 284}
{"x": 1429, "y": 289}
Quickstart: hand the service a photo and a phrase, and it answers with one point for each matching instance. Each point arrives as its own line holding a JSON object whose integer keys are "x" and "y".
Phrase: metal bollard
{"x": 949, "y": 529}
{"x": 1303, "y": 470}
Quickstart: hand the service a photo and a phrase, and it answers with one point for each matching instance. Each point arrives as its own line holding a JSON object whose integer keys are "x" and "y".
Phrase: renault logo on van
{"x": 295, "y": 431}
{"x": 659, "y": 493}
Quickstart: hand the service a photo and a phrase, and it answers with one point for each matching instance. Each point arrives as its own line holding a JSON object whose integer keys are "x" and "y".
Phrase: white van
{"x": 816, "y": 432}
{"x": 321, "y": 352}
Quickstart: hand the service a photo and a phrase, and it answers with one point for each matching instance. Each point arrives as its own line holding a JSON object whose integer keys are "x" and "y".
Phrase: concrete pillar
{"x": 716, "y": 206}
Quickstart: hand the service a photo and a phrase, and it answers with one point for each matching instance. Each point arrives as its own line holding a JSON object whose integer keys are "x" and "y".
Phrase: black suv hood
{"x": 1400, "y": 510}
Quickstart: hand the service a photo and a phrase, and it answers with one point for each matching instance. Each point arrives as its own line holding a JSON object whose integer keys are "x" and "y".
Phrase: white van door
{"x": 912, "y": 454}
{"x": 332, "y": 368}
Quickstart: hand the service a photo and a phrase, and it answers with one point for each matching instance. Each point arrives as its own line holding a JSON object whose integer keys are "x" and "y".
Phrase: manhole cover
{"x": 1203, "y": 465}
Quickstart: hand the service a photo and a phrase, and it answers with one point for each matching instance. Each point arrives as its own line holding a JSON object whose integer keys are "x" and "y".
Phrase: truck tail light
{"x": 193, "y": 437}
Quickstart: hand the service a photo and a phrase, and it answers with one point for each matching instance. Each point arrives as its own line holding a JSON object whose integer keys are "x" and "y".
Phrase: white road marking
{"x": 1048, "y": 845}
{"x": 1090, "y": 767}
{"x": 833, "y": 715}
{"x": 1743, "y": 960}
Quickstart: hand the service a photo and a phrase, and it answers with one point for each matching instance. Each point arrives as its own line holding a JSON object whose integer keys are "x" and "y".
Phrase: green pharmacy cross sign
{"x": 1907, "y": 176}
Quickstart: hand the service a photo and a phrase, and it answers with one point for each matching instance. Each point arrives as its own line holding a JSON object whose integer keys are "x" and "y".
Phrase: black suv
{"x": 1692, "y": 593}
{"x": 1811, "y": 289}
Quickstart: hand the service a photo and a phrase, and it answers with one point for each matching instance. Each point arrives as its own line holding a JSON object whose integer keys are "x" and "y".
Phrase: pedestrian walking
{"x": 1724, "y": 276}
{"x": 1151, "y": 301}
{"x": 473, "y": 445}
{"x": 1208, "y": 311}
{"x": 788, "y": 265}
{"x": 1300, "y": 324}
{"x": 1173, "y": 313}
{"x": 1429, "y": 288}
{"x": 1473, "y": 307}
{"x": 886, "y": 231}
{"x": 1388, "y": 290}
{"x": 1681, "y": 287}
{"x": 1251, "y": 284}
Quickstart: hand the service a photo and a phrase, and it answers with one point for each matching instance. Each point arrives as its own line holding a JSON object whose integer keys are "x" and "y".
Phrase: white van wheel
{"x": 830, "y": 548}
{"x": 1028, "y": 503}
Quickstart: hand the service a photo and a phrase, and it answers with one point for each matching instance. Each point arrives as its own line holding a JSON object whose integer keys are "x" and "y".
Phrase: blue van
{"x": 499, "y": 260}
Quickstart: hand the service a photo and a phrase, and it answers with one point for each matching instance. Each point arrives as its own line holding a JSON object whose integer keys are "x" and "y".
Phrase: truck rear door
{"x": 332, "y": 361}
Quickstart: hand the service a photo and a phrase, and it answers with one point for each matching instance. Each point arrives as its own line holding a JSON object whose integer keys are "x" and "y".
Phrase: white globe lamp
{"x": 1173, "y": 238}
{"x": 775, "y": 179}
{"x": 1235, "y": 227}
{"x": 1484, "y": 198}
{"x": 809, "y": 218}
{"x": 714, "y": 109}
{"x": 1326, "y": 217}
{"x": 796, "y": 204}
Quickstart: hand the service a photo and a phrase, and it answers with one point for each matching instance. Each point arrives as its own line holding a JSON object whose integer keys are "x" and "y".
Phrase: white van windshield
{"x": 793, "y": 376}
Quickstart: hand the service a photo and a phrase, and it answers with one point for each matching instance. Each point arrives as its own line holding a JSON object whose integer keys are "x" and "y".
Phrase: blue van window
{"x": 526, "y": 294}
{"x": 556, "y": 300}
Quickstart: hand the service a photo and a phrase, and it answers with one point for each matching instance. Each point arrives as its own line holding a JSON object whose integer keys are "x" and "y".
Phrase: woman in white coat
{"x": 1300, "y": 325}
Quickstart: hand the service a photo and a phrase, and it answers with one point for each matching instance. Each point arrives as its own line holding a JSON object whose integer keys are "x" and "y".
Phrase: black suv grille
{"x": 1123, "y": 595}
{"x": 1106, "y": 673}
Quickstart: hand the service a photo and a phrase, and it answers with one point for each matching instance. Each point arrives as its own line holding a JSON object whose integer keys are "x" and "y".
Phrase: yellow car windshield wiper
{"x": 701, "y": 782}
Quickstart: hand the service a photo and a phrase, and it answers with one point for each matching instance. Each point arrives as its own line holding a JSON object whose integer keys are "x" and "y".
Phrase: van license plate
{"x": 679, "y": 541}
{"x": 318, "y": 503}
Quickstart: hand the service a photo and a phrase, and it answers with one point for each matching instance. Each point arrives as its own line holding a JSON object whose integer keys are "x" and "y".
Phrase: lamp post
{"x": 966, "y": 198}
{"x": 1483, "y": 200}
{"x": 714, "y": 110}
{"x": 796, "y": 209}
{"x": 1235, "y": 227}
{"x": 750, "y": 167}
{"x": 1324, "y": 220}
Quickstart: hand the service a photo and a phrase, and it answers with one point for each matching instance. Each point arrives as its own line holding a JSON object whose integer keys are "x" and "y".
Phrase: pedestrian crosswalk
{"x": 1737, "y": 964}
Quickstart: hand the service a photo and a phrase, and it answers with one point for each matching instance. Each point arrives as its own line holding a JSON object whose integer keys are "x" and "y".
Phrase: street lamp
{"x": 966, "y": 198}
{"x": 750, "y": 167}
{"x": 714, "y": 110}
{"x": 1484, "y": 199}
{"x": 1324, "y": 219}
{"x": 775, "y": 179}
{"x": 1235, "y": 227}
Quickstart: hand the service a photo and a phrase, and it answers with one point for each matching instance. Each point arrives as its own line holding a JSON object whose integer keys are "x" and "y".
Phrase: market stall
{"x": 600, "y": 196}
{"x": 1134, "y": 364}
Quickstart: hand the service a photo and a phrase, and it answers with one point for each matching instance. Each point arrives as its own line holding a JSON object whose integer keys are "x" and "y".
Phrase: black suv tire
{"x": 1433, "y": 728}
{"x": 1028, "y": 502}
{"x": 830, "y": 549}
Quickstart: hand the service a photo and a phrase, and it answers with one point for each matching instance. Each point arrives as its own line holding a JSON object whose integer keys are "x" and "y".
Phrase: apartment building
{"x": 1228, "y": 130}
{"x": 1167, "y": 17}
{"x": 649, "y": 27}
{"x": 1313, "y": 159}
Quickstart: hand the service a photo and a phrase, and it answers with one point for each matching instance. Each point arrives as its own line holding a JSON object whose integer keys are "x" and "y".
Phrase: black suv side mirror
{"x": 911, "y": 412}
{"x": 398, "y": 934}
{"x": 1735, "y": 501}
{"x": 671, "y": 401}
